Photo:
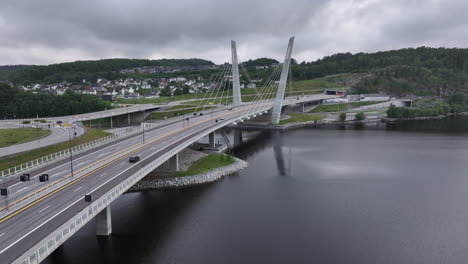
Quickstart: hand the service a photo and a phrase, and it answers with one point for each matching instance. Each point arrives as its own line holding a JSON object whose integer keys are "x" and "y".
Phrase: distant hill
{"x": 79, "y": 70}
{"x": 420, "y": 71}
{"x": 7, "y": 71}
{"x": 260, "y": 62}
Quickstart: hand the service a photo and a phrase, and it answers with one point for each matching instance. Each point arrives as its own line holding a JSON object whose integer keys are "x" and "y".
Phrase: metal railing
{"x": 43, "y": 161}
{"x": 89, "y": 116}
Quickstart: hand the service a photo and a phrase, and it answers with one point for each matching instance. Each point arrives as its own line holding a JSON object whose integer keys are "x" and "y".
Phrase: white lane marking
{"x": 78, "y": 189}
{"x": 22, "y": 189}
{"x": 103, "y": 174}
{"x": 63, "y": 210}
{"x": 81, "y": 163}
{"x": 44, "y": 208}
{"x": 2, "y": 234}
{"x": 115, "y": 147}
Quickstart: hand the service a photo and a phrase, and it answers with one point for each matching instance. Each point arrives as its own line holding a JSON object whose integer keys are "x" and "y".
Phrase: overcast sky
{"x": 53, "y": 31}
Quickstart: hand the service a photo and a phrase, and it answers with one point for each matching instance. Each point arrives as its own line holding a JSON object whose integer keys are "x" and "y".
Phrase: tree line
{"x": 18, "y": 104}
{"x": 91, "y": 70}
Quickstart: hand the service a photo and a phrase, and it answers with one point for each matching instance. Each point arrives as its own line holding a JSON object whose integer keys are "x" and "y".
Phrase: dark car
{"x": 134, "y": 159}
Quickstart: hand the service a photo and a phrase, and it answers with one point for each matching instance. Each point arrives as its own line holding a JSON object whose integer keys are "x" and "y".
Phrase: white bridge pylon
{"x": 278, "y": 102}
{"x": 237, "y": 99}
{"x": 276, "y": 113}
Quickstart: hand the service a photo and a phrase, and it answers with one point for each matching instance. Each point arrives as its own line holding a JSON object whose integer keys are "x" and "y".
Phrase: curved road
{"x": 58, "y": 135}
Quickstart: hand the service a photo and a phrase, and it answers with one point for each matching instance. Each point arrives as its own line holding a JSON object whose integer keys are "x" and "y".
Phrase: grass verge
{"x": 20, "y": 158}
{"x": 301, "y": 118}
{"x": 15, "y": 136}
{"x": 340, "y": 107}
{"x": 207, "y": 163}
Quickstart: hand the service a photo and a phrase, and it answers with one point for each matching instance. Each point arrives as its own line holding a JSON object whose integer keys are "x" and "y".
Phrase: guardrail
{"x": 46, "y": 246}
{"x": 43, "y": 161}
{"x": 88, "y": 116}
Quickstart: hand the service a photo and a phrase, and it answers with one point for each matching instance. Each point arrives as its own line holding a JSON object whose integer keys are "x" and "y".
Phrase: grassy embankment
{"x": 15, "y": 160}
{"x": 14, "y": 136}
{"x": 207, "y": 163}
{"x": 301, "y": 118}
{"x": 340, "y": 107}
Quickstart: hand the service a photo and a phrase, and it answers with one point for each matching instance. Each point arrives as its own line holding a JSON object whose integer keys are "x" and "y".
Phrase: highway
{"x": 95, "y": 171}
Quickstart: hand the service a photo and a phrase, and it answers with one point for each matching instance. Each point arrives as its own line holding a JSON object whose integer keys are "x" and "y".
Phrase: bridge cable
{"x": 263, "y": 90}
{"x": 259, "y": 96}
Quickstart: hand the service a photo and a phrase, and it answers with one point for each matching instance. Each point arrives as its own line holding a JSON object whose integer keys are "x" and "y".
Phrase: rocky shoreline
{"x": 178, "y": 182}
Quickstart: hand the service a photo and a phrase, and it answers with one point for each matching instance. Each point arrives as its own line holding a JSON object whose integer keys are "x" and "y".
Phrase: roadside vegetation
{"x": 15, "y": 136}
{"x": 426, "y": 108}
{"x": 17, "y": 159}
{"x": 342, "y": 117}
{"x": 301, "y": 118}
{"x": 340, "y": 107}
{"x": 360, "y": 116}
{"x": 207, "y": 163}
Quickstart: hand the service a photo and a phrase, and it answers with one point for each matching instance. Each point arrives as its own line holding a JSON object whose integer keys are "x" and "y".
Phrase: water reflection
{"x": 355, "y": 196}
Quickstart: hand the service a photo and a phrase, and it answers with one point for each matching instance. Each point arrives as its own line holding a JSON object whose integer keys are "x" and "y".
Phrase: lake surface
{"x": 394, "y": 194}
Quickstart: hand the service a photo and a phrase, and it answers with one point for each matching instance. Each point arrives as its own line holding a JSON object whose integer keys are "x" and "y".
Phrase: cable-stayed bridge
{"x": 36, "y": 217}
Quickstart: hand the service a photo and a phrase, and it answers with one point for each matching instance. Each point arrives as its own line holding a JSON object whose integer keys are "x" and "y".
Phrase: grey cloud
{"x": 90, "y": 29}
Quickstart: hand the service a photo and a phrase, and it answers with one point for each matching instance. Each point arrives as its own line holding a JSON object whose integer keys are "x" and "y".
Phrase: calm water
{"x": 391, "y": 195}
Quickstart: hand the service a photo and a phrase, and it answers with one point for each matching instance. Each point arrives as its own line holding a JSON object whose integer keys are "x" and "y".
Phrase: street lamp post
{"x": 70, "y": 150}
{"x": 143, "y": 124}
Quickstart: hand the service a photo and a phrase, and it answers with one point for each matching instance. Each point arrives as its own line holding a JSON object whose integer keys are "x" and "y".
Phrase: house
{"x": 251, "y": 85}
{"x": 60, "y": 91}
{"x": 146, "y": 86}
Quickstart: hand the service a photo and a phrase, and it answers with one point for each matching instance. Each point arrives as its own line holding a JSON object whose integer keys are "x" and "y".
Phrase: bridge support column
{"x": 104, "y": 222}
{"x": 211, "y": 139}
{"x": 174, "y": 163}
{"x": 111, "y": 122}
{"x": 128, "y": 117}
{"x": 237, "y": 99}
{"x": 237, "y": 137}
{"x": 276, "y": 114}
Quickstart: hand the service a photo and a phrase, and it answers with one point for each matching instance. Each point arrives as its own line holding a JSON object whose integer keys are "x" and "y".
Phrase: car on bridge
{"x": 134, "y": 159}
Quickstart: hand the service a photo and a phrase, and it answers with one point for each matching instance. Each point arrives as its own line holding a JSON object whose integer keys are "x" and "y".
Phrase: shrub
{"x": 360, "y": 116}
{"x": 342, "y": 117}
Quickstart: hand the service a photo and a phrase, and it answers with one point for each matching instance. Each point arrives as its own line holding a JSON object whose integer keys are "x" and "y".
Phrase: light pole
{"x": 70, "y": 150}
{"x": 143, "y": 124}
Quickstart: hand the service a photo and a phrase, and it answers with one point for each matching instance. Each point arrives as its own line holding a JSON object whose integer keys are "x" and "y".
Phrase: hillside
{"x": 420, "y": 71}
{"x": 7, "y": 71}
{"x": 107, "y": 68}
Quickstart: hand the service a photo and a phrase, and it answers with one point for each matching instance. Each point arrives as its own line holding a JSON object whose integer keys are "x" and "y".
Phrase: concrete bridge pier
{"x": 237, "y": 137}
{"x": 174, "y": 163}
{"x": 138, "y": 117}
{"x": 211, "y": 139}
{"x": 111, "y": 126}
{"x": 104, "y": 222}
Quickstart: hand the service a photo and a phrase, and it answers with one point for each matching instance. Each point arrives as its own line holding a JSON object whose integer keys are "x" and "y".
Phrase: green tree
{"x": 457, "y": 98}
{"x": 178, "y": 91}
{"x": 360, "y": 116}
{"x": 342, "y": 117}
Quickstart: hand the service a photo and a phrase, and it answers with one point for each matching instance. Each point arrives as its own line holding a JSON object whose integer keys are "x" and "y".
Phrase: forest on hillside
{"x": 420, "y": 71}
{"x": 91, "y": 70}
